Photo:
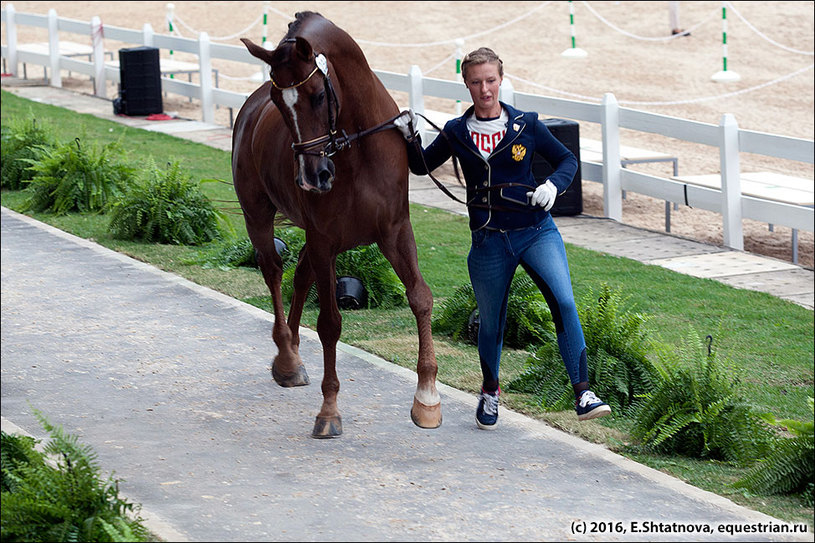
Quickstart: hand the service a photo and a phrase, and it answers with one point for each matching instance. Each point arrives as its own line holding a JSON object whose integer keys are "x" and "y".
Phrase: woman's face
{"x": 483, "y": 82}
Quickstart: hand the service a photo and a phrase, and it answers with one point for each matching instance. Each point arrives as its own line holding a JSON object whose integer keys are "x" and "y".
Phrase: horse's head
{"x": 303, "y": 92}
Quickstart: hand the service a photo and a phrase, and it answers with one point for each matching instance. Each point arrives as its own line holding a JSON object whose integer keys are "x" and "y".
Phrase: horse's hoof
{"x": 296, "y": 379}
{"x": 325, "y": 427}
{"x": 425, "y": 416}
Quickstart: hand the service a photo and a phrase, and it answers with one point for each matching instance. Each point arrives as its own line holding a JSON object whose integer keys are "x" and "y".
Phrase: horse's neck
{"x": 366, "y": 102}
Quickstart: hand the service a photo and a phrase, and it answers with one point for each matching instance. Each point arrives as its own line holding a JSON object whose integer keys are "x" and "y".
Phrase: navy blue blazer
{"x": 489, "y": 204}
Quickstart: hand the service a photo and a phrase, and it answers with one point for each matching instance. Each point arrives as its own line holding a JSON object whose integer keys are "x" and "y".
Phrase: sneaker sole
{"x": 595, "y": 413}
{"x": 486, "y": 426}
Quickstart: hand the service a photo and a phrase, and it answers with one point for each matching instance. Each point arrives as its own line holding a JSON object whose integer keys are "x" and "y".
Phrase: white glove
{"x": 406, "y": 123}
{"x": 543, "y": 196}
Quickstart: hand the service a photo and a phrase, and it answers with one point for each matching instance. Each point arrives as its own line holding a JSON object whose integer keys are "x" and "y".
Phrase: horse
{"x": 315, "y": 143}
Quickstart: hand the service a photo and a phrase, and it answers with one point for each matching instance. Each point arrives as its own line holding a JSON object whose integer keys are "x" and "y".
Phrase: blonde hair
{"x": 481, "y": 55}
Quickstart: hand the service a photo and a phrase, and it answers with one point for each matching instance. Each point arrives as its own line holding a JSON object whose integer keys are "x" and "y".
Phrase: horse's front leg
{"x": 400, "y": 250}
{"x": 329, "y": 326}
{"x": 287, "y": 368}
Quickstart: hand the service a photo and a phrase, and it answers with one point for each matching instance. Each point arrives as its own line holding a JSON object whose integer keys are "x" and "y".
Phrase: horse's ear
{"x": 257, "y": 51}
{"x": 303, "y": 48}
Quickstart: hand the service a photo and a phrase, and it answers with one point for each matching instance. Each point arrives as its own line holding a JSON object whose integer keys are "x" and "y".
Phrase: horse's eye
{"x": 318, "y": 99}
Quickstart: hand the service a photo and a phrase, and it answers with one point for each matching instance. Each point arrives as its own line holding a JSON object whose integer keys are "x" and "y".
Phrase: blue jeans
{"x": 494, "y": 257}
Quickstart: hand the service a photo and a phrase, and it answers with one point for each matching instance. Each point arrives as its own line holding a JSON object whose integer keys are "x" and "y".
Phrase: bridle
{"x": 329, "y": 144}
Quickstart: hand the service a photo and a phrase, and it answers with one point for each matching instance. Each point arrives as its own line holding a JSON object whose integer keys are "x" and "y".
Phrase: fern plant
{"x": 529, "y": 321}
{"x": 617, "y": 349}
{"x": 66, "y": 502}
{"x": 24, "y": 140}
{"x": 166, "y": 207}
{"x": 366, "y": 263}
{"x": 788, "y": 468}
{"x": 696, "y": 410}
{"x": 72, "y": 177}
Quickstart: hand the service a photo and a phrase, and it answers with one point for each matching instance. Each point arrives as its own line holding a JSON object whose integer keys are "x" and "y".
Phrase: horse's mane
{"x": 299, "y": 18}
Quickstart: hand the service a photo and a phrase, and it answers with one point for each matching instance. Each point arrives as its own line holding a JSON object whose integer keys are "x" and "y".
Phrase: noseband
{"x": 329, "y": 144}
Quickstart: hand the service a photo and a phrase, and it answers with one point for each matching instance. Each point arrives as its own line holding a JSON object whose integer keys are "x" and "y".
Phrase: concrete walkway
{"x": 169, "y": 382}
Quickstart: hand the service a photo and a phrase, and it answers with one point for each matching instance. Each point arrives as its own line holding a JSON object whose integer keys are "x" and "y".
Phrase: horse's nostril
{"x": 325, "y": 178}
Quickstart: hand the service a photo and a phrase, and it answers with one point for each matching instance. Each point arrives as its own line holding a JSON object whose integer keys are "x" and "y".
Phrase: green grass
{"x": 769, "y": 341}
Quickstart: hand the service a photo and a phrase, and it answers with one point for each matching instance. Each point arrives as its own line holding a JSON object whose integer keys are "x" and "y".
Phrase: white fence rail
{"x": 726, "y": 136}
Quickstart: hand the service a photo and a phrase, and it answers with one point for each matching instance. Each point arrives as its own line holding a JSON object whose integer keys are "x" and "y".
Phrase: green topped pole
{"x": 574, "y": 51}
{"x": 725, "y": 75}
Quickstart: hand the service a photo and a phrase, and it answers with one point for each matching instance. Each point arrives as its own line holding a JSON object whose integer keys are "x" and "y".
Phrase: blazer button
{"x": 485, "y": 183}
{"x": 484, "y": 199}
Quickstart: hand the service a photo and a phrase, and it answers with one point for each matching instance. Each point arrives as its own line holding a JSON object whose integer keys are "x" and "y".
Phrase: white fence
{"x": 727, "y": 200}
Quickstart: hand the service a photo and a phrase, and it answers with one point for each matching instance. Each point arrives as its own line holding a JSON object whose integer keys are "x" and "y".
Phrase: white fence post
{"x": 97, "y": 39}
{"x": 416, "y": 97}
{"x": 731, "y": 182}
{"x": 147, "y": 31}
{"x": 53, "y": 48}
{"x": 612, "y": 188}
{"x": 11, "y": 38}
{"x": 507, "y": 92}
{"x": 205, "y": 71}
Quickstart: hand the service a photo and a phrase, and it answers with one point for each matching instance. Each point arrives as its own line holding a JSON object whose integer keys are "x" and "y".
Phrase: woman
{"x": 510, "y": 222}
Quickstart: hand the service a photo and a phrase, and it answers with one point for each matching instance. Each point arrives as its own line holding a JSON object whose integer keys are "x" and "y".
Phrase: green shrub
{"x": 617, "y": 352}
{"x": 70, "y": 177}
{"x": 68, "y": 502}
{"x": 24, "y": 140}
{"x": 239, "y": 252}
{"x": 166, "y": 207}
{"x": 696, "y": 410}
{"x": 529, "y": 321}
{"x": 788, "y": 468}
{"x": 369, "y": 265}
{"x": 453, "y": 315}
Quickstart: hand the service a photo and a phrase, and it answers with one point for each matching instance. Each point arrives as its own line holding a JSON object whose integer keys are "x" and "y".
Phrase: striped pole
{"x": 724, "y": 74}
{"x": 574, "y": 51}
{"x": 459, "y": 45}
{"x": 170, "y": 10}
{"x": 265, "y": 22}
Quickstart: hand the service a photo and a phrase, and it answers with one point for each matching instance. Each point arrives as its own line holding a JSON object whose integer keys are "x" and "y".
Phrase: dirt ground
{"x": 630, "y": 53}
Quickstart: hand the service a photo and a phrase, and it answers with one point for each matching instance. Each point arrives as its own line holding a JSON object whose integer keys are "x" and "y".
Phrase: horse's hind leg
{"x": 287, "y": 368}
{"x": 400, "y": 250}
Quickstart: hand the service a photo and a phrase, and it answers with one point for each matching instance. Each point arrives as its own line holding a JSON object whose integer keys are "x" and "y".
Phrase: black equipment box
{"x": 140, "y": 82}
{"x": 568, "y": 133}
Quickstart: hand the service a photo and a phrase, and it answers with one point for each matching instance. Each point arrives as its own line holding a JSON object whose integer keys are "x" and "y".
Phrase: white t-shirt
{"x": 487, "y": 133}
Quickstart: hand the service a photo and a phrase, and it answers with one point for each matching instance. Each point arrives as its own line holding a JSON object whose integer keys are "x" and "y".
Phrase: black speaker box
{"x": 140, "y": 86}
{"x": 568, "y": 133}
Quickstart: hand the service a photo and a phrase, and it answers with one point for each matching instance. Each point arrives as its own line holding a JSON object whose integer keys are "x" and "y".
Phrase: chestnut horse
{"x": 315, "y": 144}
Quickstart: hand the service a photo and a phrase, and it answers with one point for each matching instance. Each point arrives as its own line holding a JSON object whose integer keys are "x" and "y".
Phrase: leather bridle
{"x": 329, "y": 144}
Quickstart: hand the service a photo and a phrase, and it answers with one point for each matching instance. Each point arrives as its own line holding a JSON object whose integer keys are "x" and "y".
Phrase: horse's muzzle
{"x": 319, "y": 179}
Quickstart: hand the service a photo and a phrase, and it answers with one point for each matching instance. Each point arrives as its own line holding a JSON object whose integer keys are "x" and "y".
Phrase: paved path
{"x": 169, "y": 382}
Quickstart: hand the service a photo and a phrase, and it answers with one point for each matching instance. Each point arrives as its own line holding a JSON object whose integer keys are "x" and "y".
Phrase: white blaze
{"x": 290, "y": 97}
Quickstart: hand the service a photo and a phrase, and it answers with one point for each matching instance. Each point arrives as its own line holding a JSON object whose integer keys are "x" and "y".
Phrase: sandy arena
{"x": 631, "y": 54}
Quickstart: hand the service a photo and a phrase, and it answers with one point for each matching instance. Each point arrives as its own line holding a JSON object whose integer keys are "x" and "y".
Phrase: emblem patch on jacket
{"x": 518, "y": 152}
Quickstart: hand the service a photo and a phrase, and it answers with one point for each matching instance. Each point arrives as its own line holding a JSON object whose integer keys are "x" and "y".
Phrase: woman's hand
{"x": 406, "y": 123}
{"x": 544, "y": 195}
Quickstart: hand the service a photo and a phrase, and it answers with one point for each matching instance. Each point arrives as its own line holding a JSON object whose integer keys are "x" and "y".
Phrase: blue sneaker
{"x": 486, "y": 416}
{"x": 589, "y": 406}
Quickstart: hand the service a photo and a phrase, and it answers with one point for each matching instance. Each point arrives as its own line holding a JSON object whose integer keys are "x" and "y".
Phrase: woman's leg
{"x": 491, "y": 267}
{"x": 543, "y": 256}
